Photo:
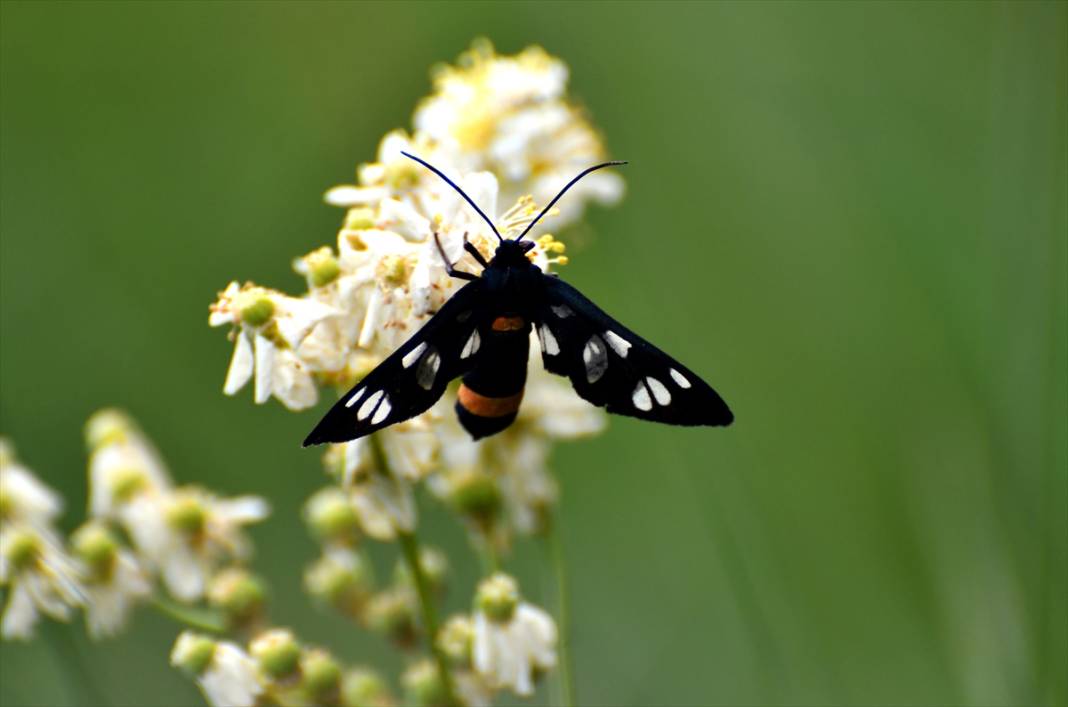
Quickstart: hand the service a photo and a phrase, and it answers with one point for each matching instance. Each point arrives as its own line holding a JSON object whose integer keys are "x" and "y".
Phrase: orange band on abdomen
{"x": 508, "y": 323}
{"x": 484, "y": 406}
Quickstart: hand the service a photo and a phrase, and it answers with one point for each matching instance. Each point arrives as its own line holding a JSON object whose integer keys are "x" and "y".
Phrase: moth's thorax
{"x": 512, "y": 282}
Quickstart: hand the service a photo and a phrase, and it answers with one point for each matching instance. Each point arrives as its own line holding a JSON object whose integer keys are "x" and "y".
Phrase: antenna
{"x": 556, "y": 198}
{"x": 452, "y": 184}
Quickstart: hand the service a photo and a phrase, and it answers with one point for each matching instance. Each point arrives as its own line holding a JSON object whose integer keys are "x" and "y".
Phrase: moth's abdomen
{"x": 489, "y": 396}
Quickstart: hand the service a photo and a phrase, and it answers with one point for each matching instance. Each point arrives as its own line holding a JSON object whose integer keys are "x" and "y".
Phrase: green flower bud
{"x": 193, "y": 652}
{"x": 320, "y": 266}
{"x": 362, "y": 687}
{"x": 187, "y": 513}
{"x": 456, "y": 638}
{"x": 476, "y": 493}
{"x": 423, "y": 684}
{"x": 277, "y": 653}
{"x": 359, "y": 219}
{"x": 239, "y": 594}
{"x": 256, "y": 311}
{"x": 330, "y": 515}
{"x": 345, "y": 585}
{"x": 392, "y": 612}
{"x": 498, "y": 597}
{"x": 324, "y": 272}
{"x": 105, "y": 427}
{"x": 322, "y": 674}
{"x": 127, "y": 481}
{"x": 97, "y": 548}
{"x": 23, "y": 550}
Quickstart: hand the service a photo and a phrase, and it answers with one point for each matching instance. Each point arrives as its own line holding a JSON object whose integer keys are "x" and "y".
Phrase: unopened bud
{"x": 277, "y": 653}
{"x": 192, "y": 652}
{"x": 105, "y": 427}
{"x": 498, "y": 597}
{"x": 330, "y": 515}
{"x": 362, "y": 687}
{"x": 239, "y": 594}
{"x": 97, "y": 547}
{"x": 455, "y": 640}
{"x": 423, "y": 684}
{"x": 321, "y": 674}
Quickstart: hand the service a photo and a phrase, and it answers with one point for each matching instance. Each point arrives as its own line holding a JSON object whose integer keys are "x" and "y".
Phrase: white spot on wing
{"x": 620, "y": 345}
{"x": 471, "y": 347}
{"x": 413, "y": 355}
{"x": 355, "y": 396}
{"x": 640, "y": 397}
{"x": 660, "y": 391}
{"x": 595, "y": 356}
{"x": 562, "y": 311}
{"x": 428, "y": 368}
{"x": 368, "y": 406}
{"x": 548, "y": 342}
{"x": 382, "y": 412}
{"x": 680, "y": 379}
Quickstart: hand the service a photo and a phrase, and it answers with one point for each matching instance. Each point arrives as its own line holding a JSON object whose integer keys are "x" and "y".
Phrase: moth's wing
{"x": 413, "y": 377}
{"x": 611, "y": 366}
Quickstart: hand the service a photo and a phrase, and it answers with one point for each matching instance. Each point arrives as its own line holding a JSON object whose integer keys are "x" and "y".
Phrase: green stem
{"x": 191, "y": 616}
{"x": 556, "y": 554}
{"x": 487, "y": 552}
{"x": 410, "y": 547}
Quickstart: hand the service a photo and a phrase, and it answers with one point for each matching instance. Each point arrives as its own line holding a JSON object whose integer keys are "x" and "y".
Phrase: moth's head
{"x": 511, "y": 252}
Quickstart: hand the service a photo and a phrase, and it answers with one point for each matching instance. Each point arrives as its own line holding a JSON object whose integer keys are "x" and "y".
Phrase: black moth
{"x": 483, "y": 333}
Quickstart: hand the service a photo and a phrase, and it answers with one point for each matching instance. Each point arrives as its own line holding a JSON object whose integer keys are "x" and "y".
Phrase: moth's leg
{"x": 453, "y": 272}
{"x": 470, "y": 248}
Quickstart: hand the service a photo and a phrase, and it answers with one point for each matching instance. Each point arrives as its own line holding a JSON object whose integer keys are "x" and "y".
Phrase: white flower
{"x": 111, "y": 599}
{"x": 122, "y": 464}
{"x": 513, "y": 640}
{"x": 24, "y": 500}
{"x": 510, "y": 115}
{"x": 188, "y": 533}
{"x": 114, "y": 580}
{"x": 39, "y": 577}
{"x": 226, "y": 675}
{"x": 268, "y": 326}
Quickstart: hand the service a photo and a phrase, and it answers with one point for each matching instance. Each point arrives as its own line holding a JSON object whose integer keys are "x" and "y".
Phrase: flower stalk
{"x": 555, "y": 548}
{"x": 409, "y": 545}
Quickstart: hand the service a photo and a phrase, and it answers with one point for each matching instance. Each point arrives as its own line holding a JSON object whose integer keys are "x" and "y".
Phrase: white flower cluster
{"x": 140, "y": 526}
{"x": 35, "y": 568}
{"x": 184, "y": 534}
{"x": 504, "y": 129}
{"x": 275, "y": 669}
{"x": 507, "y": 643}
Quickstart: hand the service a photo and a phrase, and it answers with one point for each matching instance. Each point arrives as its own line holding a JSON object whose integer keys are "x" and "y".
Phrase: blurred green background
{"x": 852, "y": 218}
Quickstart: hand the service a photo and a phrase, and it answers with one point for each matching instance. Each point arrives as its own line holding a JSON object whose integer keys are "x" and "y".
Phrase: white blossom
{"x": 267, "y": 327}
{"x": 513, "y": 640}
{"x": 123, "y": 464}
{"x": 510, "y": 115}
{"x": 110, "y": 599}
{"x": 39, "y": 577}
{"x": 188, "y": 533}
{"x": 226, "y": 675}
{"x": 24, "y": 499}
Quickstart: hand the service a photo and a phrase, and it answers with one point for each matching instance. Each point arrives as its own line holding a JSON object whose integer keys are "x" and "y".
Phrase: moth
{"x": 482, "y": 333}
